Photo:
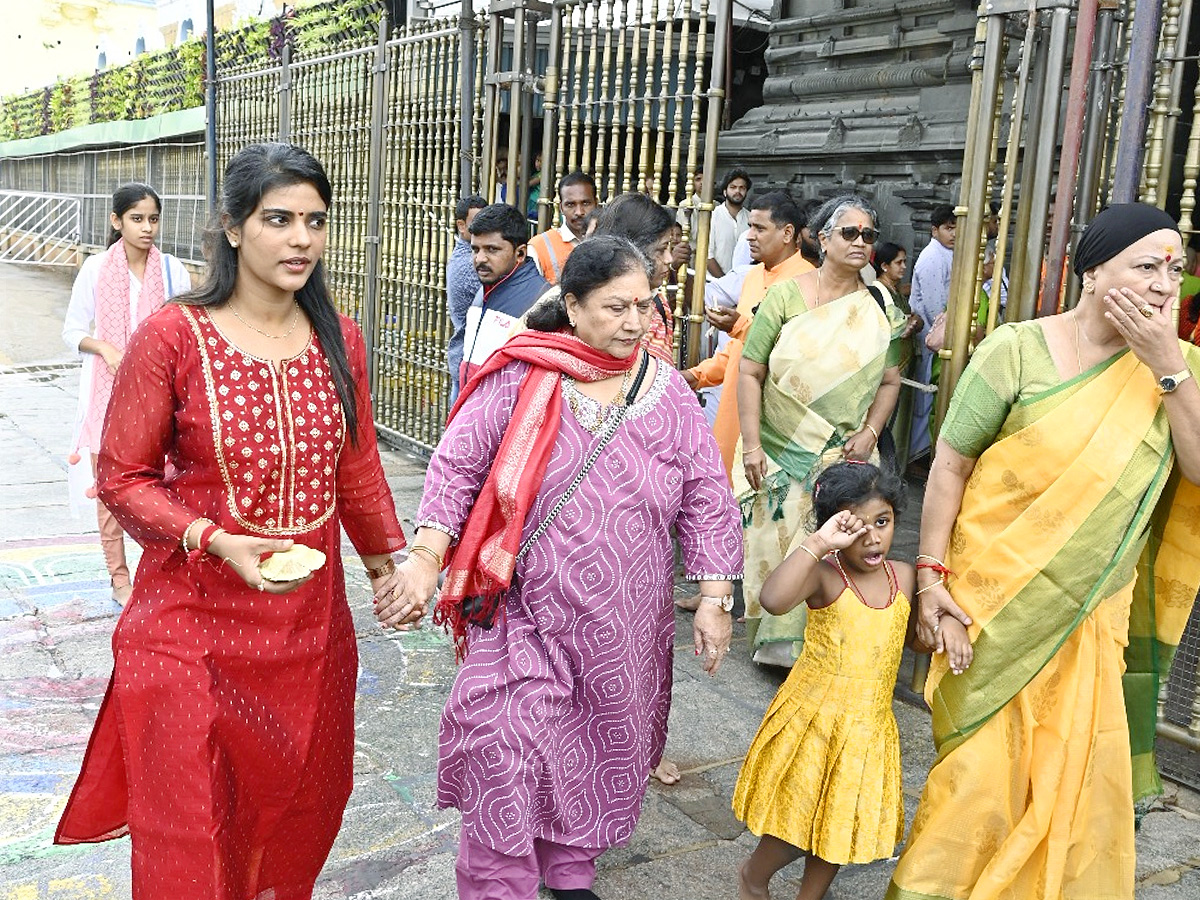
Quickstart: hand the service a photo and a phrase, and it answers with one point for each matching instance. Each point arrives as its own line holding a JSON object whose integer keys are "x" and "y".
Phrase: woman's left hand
{"x": 712, "y": 629}
{"x": 859, "y": 446}
{"x": 402, "y": 597}
{"x": 1152, "y": 338}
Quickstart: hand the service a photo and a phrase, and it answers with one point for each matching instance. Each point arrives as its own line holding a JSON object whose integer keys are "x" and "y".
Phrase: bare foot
{"x": 666, "y": 772}
{"x": 746, "y": 890}
{"x": 691, "y": 604}
{"x": 120, "y": 593}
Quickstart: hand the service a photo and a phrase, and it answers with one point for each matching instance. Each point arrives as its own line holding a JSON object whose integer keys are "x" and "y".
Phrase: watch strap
{"x": 1169, "y": 383}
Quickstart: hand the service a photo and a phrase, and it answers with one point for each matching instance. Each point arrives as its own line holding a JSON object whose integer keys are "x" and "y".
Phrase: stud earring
{"x": 571, "y": 323}
{"x": 1089, "y": 287}
{"x": 233, "y": 244}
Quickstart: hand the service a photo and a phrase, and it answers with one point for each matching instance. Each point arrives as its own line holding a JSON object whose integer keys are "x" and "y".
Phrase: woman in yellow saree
{"x": 817, "y": 383}
{"x": 1063, "y": 501}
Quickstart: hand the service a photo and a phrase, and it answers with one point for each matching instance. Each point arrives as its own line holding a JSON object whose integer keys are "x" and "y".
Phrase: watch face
{"x": 1167, "y": 383}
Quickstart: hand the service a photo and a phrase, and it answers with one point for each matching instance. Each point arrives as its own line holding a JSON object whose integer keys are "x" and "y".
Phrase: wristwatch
{"x": 1168, "y": 383}
{"x": 726, "y": 602}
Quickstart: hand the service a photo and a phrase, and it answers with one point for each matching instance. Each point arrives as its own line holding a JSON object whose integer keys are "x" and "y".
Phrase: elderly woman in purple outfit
{"x": 567, "y": 462}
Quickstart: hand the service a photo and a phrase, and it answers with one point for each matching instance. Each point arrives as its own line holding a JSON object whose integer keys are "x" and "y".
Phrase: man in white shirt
{"x": 729, "y": 221}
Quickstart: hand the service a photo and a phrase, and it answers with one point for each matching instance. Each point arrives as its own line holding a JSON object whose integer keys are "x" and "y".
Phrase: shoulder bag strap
{"x": 610, "y": 429}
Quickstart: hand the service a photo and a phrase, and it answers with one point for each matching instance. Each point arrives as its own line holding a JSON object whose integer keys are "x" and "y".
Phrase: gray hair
{"x": 825, "y": 219}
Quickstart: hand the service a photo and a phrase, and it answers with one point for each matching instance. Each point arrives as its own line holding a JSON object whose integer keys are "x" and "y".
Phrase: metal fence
{"x": 619, "y": 92}
{"x": 39, "y": 228}
{"x": 175, "y": 170}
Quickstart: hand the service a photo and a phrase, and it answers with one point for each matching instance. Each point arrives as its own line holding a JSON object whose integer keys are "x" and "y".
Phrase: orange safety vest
{"x": 551, "y": 252}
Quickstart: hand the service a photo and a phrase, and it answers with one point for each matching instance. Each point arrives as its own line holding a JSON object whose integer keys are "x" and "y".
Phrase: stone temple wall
{"x": 865, "y": 96}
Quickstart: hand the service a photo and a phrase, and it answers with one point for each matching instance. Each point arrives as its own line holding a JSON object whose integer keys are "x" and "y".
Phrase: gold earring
{"x": 1089, "y": 287}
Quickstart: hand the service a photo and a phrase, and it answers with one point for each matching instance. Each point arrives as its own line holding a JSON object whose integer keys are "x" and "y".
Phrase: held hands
{"x": 244, "y": 553}
{"x": 937, "y": 617}
{"x": 957, "y": 642}
{"x": 712, "y": 630}
{"x": 1147, "y": 330}
{"x": 402, "y": 597}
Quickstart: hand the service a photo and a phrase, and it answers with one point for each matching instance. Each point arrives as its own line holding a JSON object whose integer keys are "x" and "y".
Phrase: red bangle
{"x": 207, "y": 536}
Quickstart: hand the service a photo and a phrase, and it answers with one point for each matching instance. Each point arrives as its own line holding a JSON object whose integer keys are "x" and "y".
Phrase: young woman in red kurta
{"x": 240, "y": 422}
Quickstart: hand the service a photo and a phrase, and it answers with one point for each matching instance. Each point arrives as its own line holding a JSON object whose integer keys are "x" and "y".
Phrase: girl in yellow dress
{"x": 822, "y": 777}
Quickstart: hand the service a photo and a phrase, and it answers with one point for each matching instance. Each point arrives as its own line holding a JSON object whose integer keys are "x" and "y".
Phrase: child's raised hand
{"x": 957, "y": 642}
{"x": 842, "y": 530}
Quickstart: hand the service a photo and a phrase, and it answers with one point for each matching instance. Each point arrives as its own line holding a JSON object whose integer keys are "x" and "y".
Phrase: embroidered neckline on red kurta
{"x": 278, "y": 431}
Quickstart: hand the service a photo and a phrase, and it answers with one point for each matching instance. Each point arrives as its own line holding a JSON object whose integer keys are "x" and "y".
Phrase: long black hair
{"x": 594, "y": 263}
{"x": 125, "y": 198}
{"x": 253, "y": 172}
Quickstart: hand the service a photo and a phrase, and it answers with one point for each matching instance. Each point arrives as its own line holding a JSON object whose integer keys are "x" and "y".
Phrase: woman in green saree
{"x": 1063, "y": 503}
{"x": 817, "y": 382}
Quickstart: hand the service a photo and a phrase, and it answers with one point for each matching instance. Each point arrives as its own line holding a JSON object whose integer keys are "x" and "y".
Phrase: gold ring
{"x": 1147, "y": 310}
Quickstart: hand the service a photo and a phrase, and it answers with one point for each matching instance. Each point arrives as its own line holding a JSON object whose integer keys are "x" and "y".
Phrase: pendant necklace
{"x": 274, "y": 337}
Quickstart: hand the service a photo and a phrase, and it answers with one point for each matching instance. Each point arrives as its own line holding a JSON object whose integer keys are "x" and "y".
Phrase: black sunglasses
{"x": 852, "y": 232}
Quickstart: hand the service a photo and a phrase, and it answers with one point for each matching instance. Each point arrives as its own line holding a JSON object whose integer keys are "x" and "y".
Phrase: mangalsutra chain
{"x": 274, "y": 337}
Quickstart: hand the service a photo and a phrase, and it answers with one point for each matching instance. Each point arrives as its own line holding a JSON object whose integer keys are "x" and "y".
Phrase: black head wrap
{"x": 1116, "y": 228}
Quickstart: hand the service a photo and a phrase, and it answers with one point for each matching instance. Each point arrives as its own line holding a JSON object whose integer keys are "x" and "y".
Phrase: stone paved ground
{"x": 56, "y": 620}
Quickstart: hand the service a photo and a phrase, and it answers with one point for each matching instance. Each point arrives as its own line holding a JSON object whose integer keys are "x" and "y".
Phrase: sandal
{"x": 121, "y": 592}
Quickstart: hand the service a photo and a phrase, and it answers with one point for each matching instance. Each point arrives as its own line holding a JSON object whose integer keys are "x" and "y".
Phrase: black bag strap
{"x": 610, "y": 429}
{"x": 877, "y": 293}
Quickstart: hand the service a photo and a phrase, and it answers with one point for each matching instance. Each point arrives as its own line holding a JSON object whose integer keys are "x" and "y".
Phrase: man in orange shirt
{"x": 550, "y": 249}
{"x": 775, "y": 223}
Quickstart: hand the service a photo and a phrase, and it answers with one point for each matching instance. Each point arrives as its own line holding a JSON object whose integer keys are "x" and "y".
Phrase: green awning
{"x": 140, "y": 131}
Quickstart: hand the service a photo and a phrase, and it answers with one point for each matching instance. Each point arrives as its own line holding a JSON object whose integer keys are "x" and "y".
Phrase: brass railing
{"x": 1099, "y": 151}
{"x": 622, "y": 95}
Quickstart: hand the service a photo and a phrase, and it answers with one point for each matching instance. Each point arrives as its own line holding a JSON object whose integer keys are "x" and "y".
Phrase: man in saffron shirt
{"x": 775, "y": 223}
{"x": 549, "y": 250}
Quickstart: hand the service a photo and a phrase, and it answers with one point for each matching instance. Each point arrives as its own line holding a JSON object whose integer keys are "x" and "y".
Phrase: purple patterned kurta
{"x": 560, "y": 710}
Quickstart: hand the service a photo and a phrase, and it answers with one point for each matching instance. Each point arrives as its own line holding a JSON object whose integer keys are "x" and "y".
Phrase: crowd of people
{"x": 578, "y": 474}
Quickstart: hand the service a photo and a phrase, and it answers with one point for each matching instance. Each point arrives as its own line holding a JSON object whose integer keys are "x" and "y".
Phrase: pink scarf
{"x": 114, "y": 326}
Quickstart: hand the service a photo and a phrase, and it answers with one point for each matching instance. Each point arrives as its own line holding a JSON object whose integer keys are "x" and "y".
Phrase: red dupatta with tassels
{"x": 481, "y": 565}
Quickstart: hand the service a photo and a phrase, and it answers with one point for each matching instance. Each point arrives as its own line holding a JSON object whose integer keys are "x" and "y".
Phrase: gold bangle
{"x": 932, "y": 559}
{"x": 871, "y": 428}
{"x": 382, "y": 571}
{"x": 434, "y": 555}
{"x": 751, "y": 450}
{"x": 930, "y": 586}
{"x": 809, "y": 551}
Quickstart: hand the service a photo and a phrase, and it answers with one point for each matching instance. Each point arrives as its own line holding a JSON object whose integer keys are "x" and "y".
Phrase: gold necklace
{"x": 1078, "y": 357}
{"x": 606, "y": 409}
{"x": 274, "y": 337}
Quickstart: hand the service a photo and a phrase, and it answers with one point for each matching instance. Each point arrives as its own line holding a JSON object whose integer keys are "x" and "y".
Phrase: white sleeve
{"x": 175, "y": 276}
{"x": 81, "y": 311}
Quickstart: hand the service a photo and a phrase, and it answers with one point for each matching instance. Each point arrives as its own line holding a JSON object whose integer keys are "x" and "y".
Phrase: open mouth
{"x": 296, "y": 263}
{"x": 872, "y": 559}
